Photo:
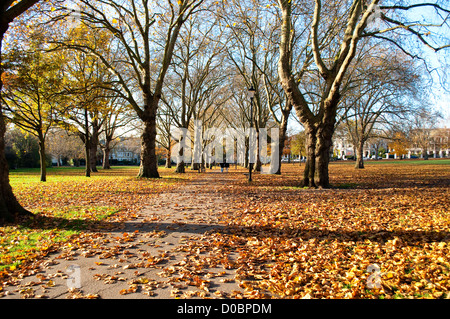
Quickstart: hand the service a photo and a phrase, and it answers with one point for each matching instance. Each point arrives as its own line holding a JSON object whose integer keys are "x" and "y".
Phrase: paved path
{"x": 152, "y": 256}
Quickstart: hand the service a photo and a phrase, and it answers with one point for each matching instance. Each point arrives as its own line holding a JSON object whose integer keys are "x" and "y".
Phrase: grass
{"x": 398, "y": 162}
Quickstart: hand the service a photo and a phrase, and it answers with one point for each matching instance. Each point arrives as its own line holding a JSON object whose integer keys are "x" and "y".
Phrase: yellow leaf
{"x": 12, "y": 268}
{"x": 114, "y": 20}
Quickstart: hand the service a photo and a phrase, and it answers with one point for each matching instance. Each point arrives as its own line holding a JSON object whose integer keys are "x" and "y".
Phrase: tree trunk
{"x": 359, "y": 158}
{"x": 322, "y": 161}
{"x": 106, "y": 151}
{"x": 93, "y": 157}
{"x": 149, "y": 161}
{"x": 282, "y": 139}
{"x": 87, "y": 152}
{"x": 325, "y": 140}
{"x": 246, "y": 157}
{"x": 258, "y": 164}
{"x": 310, "y": 166}
{"x": 168, "y": 159}
{"x": 93, "y": 147}
{"x": 180, "y": 164}
{"x": 9, "y": 206}
{"x": 425, "y": 154}
{"x": 87, "y": 149}
{"x": 42, "y": 158}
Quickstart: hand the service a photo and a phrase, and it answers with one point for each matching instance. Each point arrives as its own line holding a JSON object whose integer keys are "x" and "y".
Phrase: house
{"x": 126, "y": 152}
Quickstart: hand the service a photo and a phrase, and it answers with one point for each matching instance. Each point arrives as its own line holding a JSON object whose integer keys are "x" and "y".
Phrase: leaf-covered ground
{"x": 381, "y": 232}
{"x": 69, "y": 203}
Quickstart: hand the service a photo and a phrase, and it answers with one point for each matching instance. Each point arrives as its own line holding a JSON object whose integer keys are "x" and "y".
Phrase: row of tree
{"x": 168, "y": 63}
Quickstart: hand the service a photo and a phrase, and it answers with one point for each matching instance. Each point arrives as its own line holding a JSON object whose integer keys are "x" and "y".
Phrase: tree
{"x": 399, "y": 144}
{"x": 147, "y": 38}
{"x": 64, "y": 146}
{"x": 247, "y": 47}
{"x": 164, "y": 122}
{"x": 9, "y": 206}
{"x": 116, "y": 116}
{"x": 196, "y": 79}
{"x": 298, "y": 144}
{"x": 385, "y": 87}
{"x": 22, "y": 148}
{"x": 85, "y": 96}
{"x": 335, "y": 30}
{"x": 30, "y": 86}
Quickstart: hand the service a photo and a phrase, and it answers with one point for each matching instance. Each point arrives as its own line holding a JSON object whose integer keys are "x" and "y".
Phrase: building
{"x": 436, "y": 142}
{"x": 126, "y": 152}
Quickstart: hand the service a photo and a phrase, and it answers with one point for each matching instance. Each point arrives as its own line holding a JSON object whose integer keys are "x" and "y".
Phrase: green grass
{"x": 35, "y": 236}
{"x": 398, "y": 162}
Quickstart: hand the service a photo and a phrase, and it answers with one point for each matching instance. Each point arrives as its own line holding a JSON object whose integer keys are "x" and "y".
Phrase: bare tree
{"x": 336, "y": 29}
{"x": 196, "y": 79}
{"x": 146, "y": 32}
{"x": 384, "y": 88}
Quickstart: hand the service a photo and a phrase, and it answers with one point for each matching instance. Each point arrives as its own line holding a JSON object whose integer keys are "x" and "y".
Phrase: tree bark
{"x": 325, "y": 141}
{"x": 42, "y": 158}
{"x": 180, "y": 164}
{"x": 359, "y": 157}
{"x": 310, "y": 166}
{"x": 282, "y": 140}
{"x": 93, "y": 146}
{"x": 106, "y": 151}
{"x": 149, "y": 161}
{"x": 258, "y": 164}
{"x": 87, "y": 148}
{"x": 323, "y": 159}
{"x": 9, "y": 206}
{"x": 168, "y": 154}
{"x": 87, "y": 152}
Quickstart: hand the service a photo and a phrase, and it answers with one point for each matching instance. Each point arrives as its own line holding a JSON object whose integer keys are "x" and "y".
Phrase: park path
{"x": 151, "y": 256}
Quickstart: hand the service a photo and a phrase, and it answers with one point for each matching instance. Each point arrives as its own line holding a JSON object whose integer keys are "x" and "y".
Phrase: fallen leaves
{"x": 322, "y": 243}
{"x": 386, "y": 236}
{"x": 67, "y": 204}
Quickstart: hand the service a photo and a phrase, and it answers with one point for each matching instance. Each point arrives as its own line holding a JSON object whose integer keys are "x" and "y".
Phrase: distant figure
{"x": 224, "y": 165}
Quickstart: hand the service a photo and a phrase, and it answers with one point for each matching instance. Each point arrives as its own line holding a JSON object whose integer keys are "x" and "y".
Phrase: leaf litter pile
{"x": 381, "y": 232}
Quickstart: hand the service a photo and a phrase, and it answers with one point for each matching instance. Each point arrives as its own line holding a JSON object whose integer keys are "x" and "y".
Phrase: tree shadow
{"x": 408, "y": 237}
